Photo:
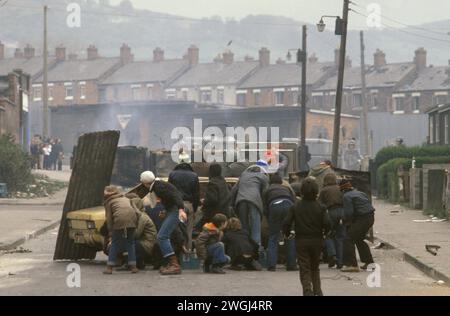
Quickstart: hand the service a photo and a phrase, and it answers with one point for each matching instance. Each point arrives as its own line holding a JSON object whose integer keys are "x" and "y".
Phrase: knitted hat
{"x": 147, "y": 177}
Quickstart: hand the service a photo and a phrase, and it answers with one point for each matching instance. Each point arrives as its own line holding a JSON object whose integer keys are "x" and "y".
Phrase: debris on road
{"x": 433, "y": 249}
{"x": 17, "y": 250}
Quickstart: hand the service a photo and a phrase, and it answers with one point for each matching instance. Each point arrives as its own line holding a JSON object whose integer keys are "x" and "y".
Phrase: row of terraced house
{"x": 397, "y": 88}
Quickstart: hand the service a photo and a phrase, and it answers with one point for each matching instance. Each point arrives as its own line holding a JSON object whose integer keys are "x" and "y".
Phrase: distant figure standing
{"x": 352, "y": 157}
{"x": 58, "y": 154}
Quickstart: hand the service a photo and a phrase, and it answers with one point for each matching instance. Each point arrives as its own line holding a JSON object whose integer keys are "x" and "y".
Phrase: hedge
{"x": 392, "y": 152}
{"x": 15, "y": 165}
{"x": 387, "y": 181}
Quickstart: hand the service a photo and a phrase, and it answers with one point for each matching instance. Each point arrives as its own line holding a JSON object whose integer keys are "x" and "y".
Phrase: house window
{"x": 241, "y": 99}
{"x": 439, "y": 99}
{"x": 220, "y": 96}
{"x": 446, "y": 129}
{"x": 416, "y": 104}
{"x": 399, "y": 104}
{"x": 357, "y": 100}
{"x": 375, "y": 101}
{"x": 37, "y": 94}
{"x": 69, "y": 91}
{"x": 317, "y": 101}
{"x": 82, "y": 91}
{"x": 279, "y": 98}
{"x": 135, "y": 93}
{"x": 205, "y": 96}
{"x": 171, "y": 94}
{"x": 149, "y": 93}
{"x": 431, "y": 130}
{"x": 437, "y": 132}
{"x": 257, "y": 96}
{"x": 50, "y": 93}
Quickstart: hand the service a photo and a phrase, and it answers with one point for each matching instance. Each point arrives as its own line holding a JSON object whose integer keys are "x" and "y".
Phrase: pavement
{"x": 24, "y": 219}
{"x": 410, "y": 231}
{"x": 34, "y": 272}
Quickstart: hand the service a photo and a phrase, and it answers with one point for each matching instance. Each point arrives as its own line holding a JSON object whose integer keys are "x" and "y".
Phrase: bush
{"x": 15, "y": 167}
{"x": 388, "y": 153}
{"x": 386, "y": 174}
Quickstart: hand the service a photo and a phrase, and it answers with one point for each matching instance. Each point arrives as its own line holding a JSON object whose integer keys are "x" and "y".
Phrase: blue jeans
{"x": 122, "y": 240}
{"x": 216, "y": 253}
{"x": 276, "y": 214}
{"x": 335, "y": 244}
{"x": 250, "y": 217}
{"x": 168, "y": 226}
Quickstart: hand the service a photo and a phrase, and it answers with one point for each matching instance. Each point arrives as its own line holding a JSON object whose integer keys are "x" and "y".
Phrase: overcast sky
{"x": 407, "y": 11}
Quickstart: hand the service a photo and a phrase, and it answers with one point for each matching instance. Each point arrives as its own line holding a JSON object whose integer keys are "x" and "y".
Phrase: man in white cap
{"x": 172, "y": 201}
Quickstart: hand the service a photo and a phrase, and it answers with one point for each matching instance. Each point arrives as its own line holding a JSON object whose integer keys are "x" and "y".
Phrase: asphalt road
{"x": 35, "y": 273}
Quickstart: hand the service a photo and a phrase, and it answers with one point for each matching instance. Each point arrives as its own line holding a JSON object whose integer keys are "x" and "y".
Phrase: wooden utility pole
{"x": 45, "y": 83}
{"x": 304, "y": 60}
{"x": 364, "y": 104}
{"x": 340, "y": 85}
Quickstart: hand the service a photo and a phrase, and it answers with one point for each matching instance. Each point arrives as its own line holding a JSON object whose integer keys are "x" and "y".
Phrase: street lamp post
{"x": 342, "y": 25}
{"x": 302, "y": 99}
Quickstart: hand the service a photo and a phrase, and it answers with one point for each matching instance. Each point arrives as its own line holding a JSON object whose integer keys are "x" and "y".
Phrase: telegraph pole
{"x": 340, "y": 85}
{"x": 303, "y": 56}
{"x": 363, "y": 98}
{"x": 45, "y": 83}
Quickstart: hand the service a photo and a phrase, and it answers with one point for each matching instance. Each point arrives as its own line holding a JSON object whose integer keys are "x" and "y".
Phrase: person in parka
{"x": 121, "y": 221}
{"x": 145, "y": 239}
{"x": 217, "y": 196}
{"x": 247, "y": 199}
{"x": 320, "y": 171}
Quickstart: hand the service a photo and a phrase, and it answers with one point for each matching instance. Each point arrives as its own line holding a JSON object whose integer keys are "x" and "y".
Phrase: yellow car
{"x": 84, "y": 225}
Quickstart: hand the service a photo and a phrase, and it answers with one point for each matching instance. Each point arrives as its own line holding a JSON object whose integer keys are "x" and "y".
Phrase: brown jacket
{"x": 119, "y": 213}
{"x": 146, "y": 232}
{"x": 209, "y": 236}
{"x": 331, "y": 196}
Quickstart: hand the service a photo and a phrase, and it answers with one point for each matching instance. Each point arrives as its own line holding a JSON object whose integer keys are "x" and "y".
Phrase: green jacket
{"x": 146, "y": 232}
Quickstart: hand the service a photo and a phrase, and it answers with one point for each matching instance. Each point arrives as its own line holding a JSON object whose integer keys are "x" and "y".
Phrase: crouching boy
{"x": 209, "y": 247}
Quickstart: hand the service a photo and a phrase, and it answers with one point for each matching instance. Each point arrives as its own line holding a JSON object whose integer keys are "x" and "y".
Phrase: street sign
{"x": 124, "y": 120}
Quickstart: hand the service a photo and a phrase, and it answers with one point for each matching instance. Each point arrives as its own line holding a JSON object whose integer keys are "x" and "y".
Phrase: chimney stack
{"x": 2, "y": 50}
{"x": 193, "y": 55}
{"x": 92, "y": 52}
{"x": 379, "y": 59}
{"x": 29, "y": 51}
{"x": 264, "y": 57}
{"x": 60, "y": 53}
{"x": 420, "y": 58}
{"x": 125, "y": 54}
{"x": 313, "y": 59}
{"x": 158, "y": 55}
{"x": 228, "y": 57}
{"x": 18, "y": 53}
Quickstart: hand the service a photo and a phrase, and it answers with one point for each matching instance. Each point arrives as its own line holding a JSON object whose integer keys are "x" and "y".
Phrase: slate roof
{"x": 77, "y": 70}
{"x": 431, "y": 78}
{"x": 386, "y": 76}
{"x": 30, "y": 66}
{"x": 286, "y": 75}
{"x": 147, "y": 71}
{"x": 215, "y": 74}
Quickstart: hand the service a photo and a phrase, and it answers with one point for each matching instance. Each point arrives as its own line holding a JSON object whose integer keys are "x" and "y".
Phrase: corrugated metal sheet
{"x": 93, "y": 164}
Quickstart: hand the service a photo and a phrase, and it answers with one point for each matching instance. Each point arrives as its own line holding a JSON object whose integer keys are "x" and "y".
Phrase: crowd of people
{"x": 321, "y": 218}
{"x": 46, "y": 153}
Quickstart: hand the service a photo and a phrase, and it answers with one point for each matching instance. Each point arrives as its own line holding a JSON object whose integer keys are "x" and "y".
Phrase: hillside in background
{"x": 109, "y": 26}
